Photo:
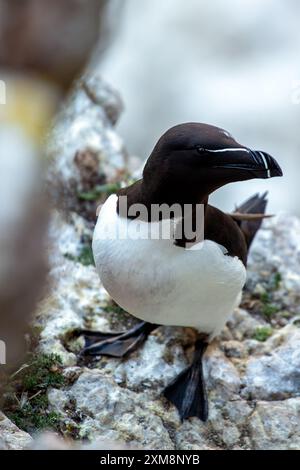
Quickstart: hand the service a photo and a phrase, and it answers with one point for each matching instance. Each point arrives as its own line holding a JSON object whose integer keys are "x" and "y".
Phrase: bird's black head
{"x": 192, "y": 160}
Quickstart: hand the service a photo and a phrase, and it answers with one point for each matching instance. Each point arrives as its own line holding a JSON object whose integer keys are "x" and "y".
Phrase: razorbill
{"x": 177, "y": 280}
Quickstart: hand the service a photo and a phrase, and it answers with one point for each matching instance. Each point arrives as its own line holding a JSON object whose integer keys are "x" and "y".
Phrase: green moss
{"x": 262, "y": 333}
{"x": 268, "y": 310}
{"x": 265, "y": 297}
{"x": 42, "y": 372}
{"x": 85, "y": 256}
{"x": 276, "y": 280}
{"x": 30, "y": 418}
{"x": 25, "y": 395}
{"x": 98, "y": 191}
{"x": 113, "y": 308}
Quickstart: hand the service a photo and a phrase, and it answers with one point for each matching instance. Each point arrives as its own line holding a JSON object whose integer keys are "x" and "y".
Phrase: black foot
{"x": 187, "y": 392}
{"x": 115, "y": 344}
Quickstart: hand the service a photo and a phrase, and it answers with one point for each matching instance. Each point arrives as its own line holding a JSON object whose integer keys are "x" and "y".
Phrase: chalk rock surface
{"x": 12, "y": 438}
{"x": 251, "y": 369}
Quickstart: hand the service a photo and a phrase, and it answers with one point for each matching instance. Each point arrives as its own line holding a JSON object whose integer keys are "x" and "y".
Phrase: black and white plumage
{"x": 164, "y": 282}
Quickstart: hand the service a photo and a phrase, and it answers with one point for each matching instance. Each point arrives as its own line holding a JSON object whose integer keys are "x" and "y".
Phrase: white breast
{"x": 159, "y": 282}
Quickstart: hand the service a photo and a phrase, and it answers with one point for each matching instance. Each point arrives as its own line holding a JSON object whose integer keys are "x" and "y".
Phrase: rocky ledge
{"x": 252, "y": 370}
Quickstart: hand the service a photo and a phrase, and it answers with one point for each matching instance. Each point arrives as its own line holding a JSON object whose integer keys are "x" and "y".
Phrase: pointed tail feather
{"x": 255, "y": 205}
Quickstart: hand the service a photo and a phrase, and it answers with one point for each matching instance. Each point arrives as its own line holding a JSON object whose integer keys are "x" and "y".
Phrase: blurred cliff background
{"x": 233, "y": 64}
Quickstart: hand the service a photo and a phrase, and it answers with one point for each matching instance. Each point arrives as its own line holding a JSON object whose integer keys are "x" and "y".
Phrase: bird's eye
{"x": 200, "y": 150}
